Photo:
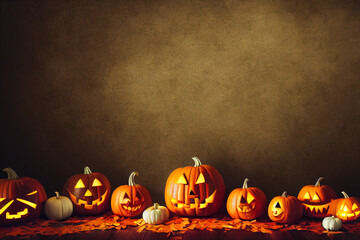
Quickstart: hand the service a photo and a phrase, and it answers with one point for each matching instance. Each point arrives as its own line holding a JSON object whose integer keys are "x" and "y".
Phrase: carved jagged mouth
{"x": 246, "y": 208}
{"x": 278, "y": 213}
{"x": 85, "y": 204}
{"x": 131, "y": 209}
{"x": 317, "y": 209}
{"x": 17, "y": 215}
{"x": 196, "y": 204}
{"x": 349, "y": 215}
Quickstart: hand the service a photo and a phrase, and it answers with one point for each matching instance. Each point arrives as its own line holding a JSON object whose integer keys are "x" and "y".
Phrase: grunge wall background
{"x": 258, "y": 89}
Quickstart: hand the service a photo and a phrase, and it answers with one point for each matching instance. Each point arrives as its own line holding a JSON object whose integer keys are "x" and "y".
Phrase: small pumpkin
{"x": 195, "y": 191}
{"x": 316, "y": 199}
{"x": 156, "y": 214}
{"x": 332, "y": 223}
{"x": 58, "y": 207}
{"x": 285, "y": 209}
{"x": 246, "y": 203}
{"x": 21, "y": 198}
{"x": 347, "y": 208}
{"x": 130, "y": 200}
{"x": 89, "y": 192}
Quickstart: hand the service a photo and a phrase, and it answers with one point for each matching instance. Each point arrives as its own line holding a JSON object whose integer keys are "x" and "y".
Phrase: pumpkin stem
{"x": 11, "y": 174}
{"x": 87, "y": 170}
{"x": 156, "y": 205}
{"x": 317, "y": 184}
{"x": 345, "y": 195}
{"x": 132, "y": 178}
{"x": 57, "y": 195}
{"x": 245, "y": 183}
{"x": 284, "y": 194}
{"x": 197, "y": 161}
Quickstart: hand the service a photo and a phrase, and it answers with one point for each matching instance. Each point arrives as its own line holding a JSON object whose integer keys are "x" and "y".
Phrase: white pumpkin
{"x": 156, "y": 214}
{"x": 58, "y": 208}
{"x": 332, "y": 223}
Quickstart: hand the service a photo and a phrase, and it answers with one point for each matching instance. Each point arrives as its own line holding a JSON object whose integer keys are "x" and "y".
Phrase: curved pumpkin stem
{"x": 345, "y": 194}
{"x": 197, "y": 161}
{"x": 11, "y": 174}
{"x": 317, "y": 184}
{"x": 284, "y": 194}
{"x": 132, "y": 178}
{"x": 57, "y": 195}
{"x": 245, "y": 183}
{"x": 87, "y": 170}
{"x": 156, "y": 205}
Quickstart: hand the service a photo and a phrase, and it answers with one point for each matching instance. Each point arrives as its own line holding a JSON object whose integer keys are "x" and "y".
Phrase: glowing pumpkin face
{"x": 130, "y": 200}
{"x": 316, "y": 199}
{"x": 347, "y": 208}
{"x": 246, "y": 203}
{"x": 89, "y": 192}
{"x": 21, "y": 199}
{"x": 195, "y": 191}
{"x": 285, "y": 209}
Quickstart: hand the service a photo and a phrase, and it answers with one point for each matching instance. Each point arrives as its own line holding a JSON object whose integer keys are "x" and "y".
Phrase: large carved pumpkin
{"x": 347, "y": 208}
{"x": 195, "y": 191}
{"x": 89, "y": 192}
{"x": 285, "y": 209}
{"x": 316, "y": 199}
{"x": 21, "y": 199}
{"x": 130, "y": 200}
{"x": 246, "y": 203}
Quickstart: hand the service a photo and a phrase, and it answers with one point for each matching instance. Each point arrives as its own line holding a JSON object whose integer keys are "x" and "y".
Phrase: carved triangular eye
{"x": 126, "y": 196}
{"x": 307, "y": 195}
{"x": 354, "y": 206}
{"x": 346, "y": 209}
{"x": 182, "y": 180}
{"x": 316, "y": 197}
{"x": 80, "y": 184}
{"x": 96, "y": 183}
{"x": 250, "y": 197}
{"x": 277, "y": 205}
{"x": 200, "y": 179}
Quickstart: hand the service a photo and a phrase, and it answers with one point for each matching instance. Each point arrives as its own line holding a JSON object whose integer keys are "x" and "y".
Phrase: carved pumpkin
{"x": 285, "y": 209}
{"x": 89, "y": 192}
{"x": 316, "y": 199}
{"x": 246, "y": 203}
{"x": 130, "y": 200}
{"x": 21, "y": 199}
{"x": 347, "y": 208}
{"x": 195, "y": 191}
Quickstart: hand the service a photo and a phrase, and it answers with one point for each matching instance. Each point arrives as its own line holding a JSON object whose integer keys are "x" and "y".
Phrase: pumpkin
{"x": 156, "y": 214}
{"x": 332, "y": 223}
{"x": 89, "y": 192}
{"x": 130, "y": 200}
{"x": 58, "y": 207}
{"x": 246, "y": 203}
{"x": 316, "y": 199}
{"x": 21, "y": 199}
{"x": 195, "y": 191}
{"x": 285, "y": 209}
{"x": 347, "y": 208}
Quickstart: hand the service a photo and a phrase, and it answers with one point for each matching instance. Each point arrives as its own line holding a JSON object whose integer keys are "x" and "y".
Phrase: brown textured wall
{"x": 262, "y": 89}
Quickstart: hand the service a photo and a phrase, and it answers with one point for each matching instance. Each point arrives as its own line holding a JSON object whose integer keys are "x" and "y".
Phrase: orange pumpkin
{"x": 130, "y": 200}
{"x": 21, "y": 199}
{"x": 246, "y": 203}
{"x": 347, "y": 208}
{"x": 195, "y": 191}
{"x": 285, "y": 209}
{"x": 316, "y": 199}
{"x": 89, "y": 192}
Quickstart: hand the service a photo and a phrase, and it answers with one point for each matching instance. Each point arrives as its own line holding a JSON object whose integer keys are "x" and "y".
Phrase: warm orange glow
{"x": 6, "y": 206}
{"x": 182, "y": 180}
{"x": 32, "y": 193}
{"x": 316, "y": 197}
{"x": 200, "y": 179}
{"x": 80, "y": 184}
{"x": 88, "y": 193}
{"x": 31, "y": 204}
{"x": 96, "y": 183}
{"x": 354, "y": 206}
{"x": 250, "y": 198}
{"x": 2, "y": 199}
{"x": 307, "y": 195}
{"x": 17, "y": 215}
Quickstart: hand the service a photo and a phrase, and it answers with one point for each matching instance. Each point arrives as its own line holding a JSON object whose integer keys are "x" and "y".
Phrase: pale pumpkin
{"x": 332, "y": 223}
{"x": 58, "y": 207}
{"x": 156, "y": 214}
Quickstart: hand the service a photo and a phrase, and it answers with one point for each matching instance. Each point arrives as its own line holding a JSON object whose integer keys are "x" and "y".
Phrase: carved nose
{"x": 88, "y": 193}
{"x": 191, "y": 192}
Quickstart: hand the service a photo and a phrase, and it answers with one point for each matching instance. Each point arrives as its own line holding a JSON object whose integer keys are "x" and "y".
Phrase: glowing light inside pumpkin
{"x": 354, "y": 206}
{"x": 80, "y": 184}
{"x": 96, "y": 183}
{"x": 17, "y": 215}
{"x": 84, "y": 203}
{"x": 316, "y": 198}
{"x": 200, "y": 179}
{"x": 307, "y": 196}
{"x": 277, "y": 210}
{"x": 31, "y": 204}
{"x": 250, "y": 198}
{"x": 182, "y": 180}
{"x": 6, "y": 206}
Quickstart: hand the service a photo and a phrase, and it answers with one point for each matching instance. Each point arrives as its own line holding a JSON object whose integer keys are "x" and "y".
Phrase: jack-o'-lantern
{"x": 130, "y": 200}
{"x": 89, "y": 192}
{"x": 195, "y": 191}
{"x": 246, "y": 203}
{"x": 21, "y": 199}
{"x": 316, "y": 199}
{"x": 285, "y": 209}
{"x": 347, "y": 208}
